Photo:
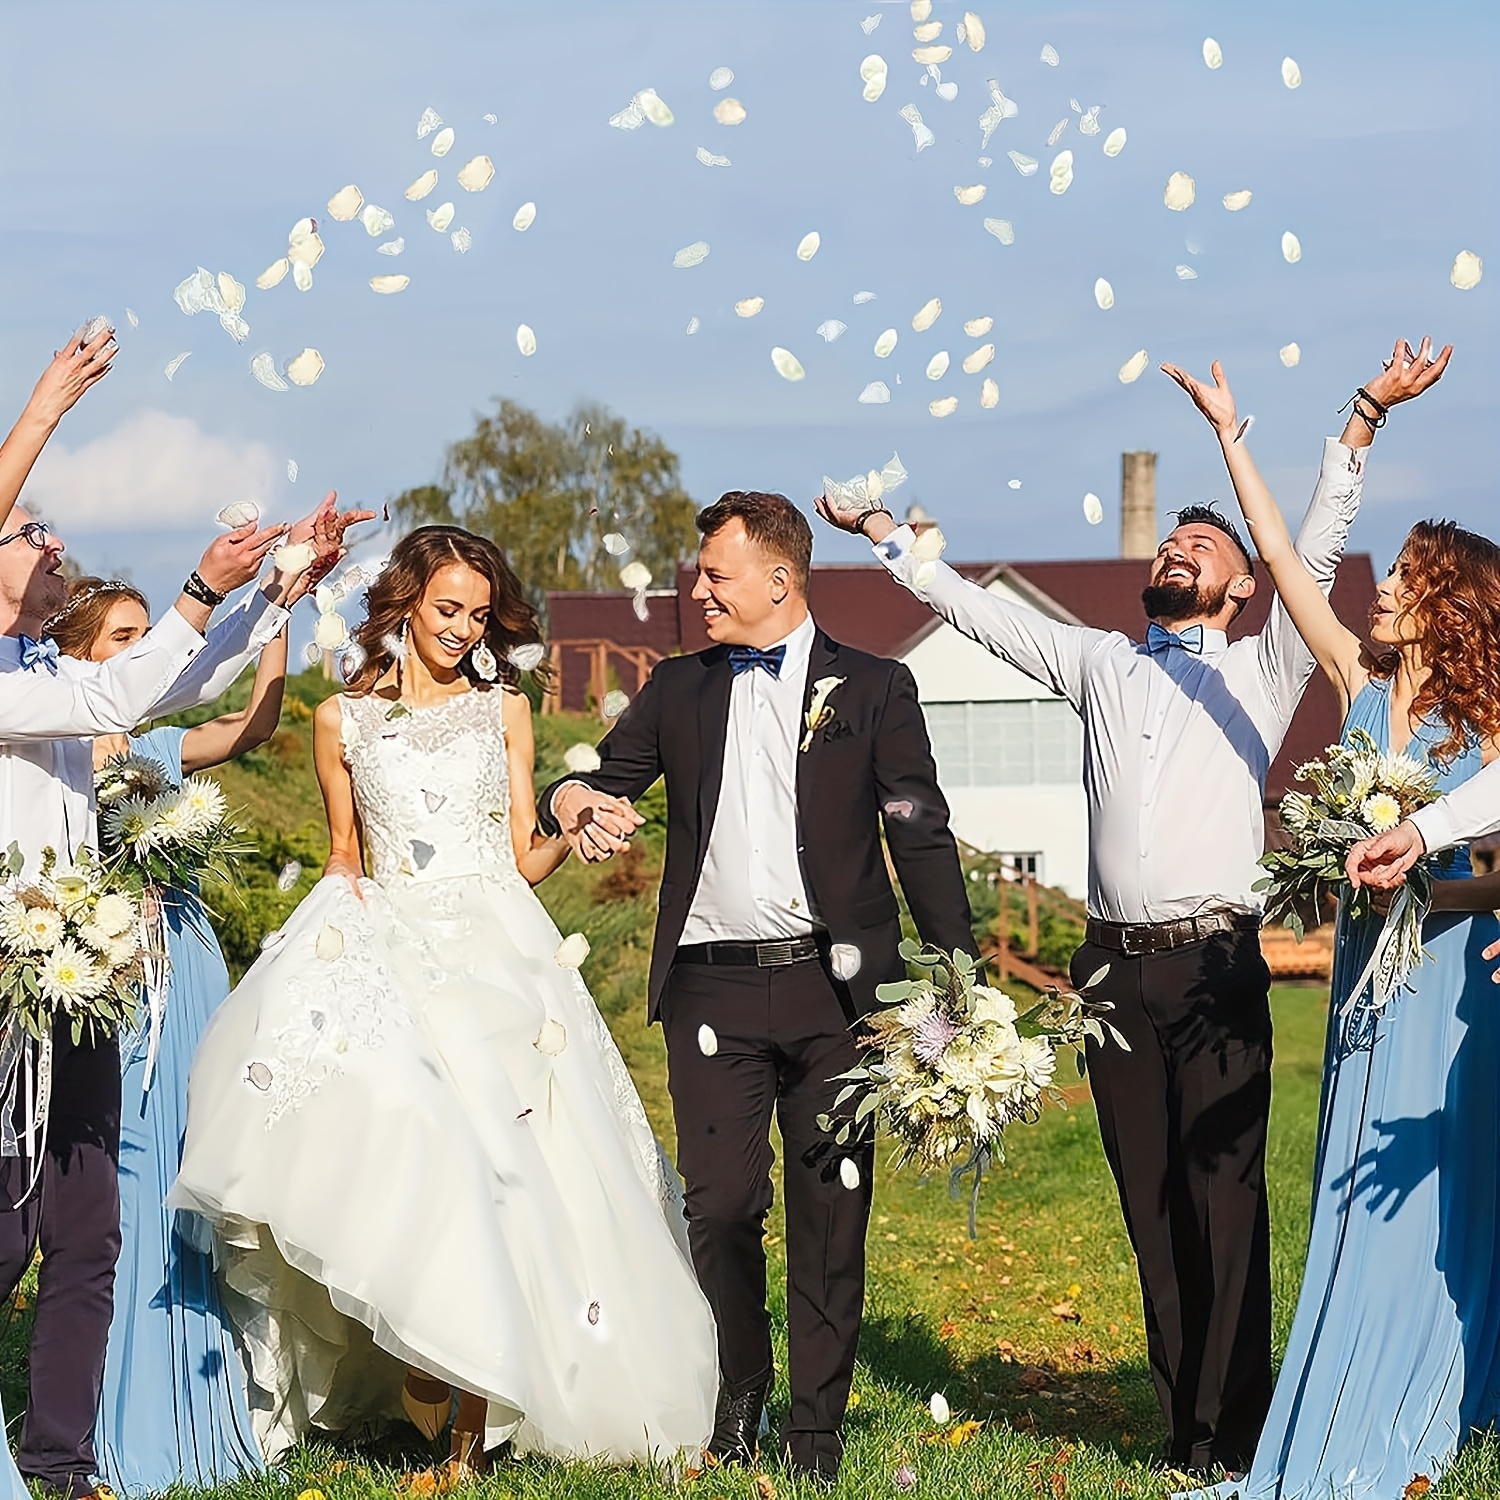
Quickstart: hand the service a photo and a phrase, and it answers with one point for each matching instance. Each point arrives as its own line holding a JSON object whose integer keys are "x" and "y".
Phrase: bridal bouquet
{"x": 155, "y": 833}
{"x": 951, "y": 1062}
{"x": 69, "y": 946}
{"x": 1357, "y": 792}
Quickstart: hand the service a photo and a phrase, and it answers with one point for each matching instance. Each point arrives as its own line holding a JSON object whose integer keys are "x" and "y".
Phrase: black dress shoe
{"x": 814, "y": 1455}
{"x": 737, "y": 1424}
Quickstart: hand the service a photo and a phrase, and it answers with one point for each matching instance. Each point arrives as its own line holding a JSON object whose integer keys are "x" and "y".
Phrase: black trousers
{"x": 1183, "y": 1118}
{"x": 782, "y": 1036}
{"x": 75, "y": 1210}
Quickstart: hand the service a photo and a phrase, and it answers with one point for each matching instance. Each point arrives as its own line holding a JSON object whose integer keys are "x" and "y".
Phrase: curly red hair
{"x": 1452, "y": 580}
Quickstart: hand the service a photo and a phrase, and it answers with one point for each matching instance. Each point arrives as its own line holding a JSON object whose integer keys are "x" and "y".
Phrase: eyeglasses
{"x": 35, "y": 532}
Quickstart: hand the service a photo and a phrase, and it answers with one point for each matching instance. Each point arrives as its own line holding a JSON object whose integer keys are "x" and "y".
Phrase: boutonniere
{"x": 819, "y": 712}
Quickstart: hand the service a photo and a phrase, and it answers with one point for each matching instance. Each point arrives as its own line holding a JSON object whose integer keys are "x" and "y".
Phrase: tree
{"x": 548, "y": 494}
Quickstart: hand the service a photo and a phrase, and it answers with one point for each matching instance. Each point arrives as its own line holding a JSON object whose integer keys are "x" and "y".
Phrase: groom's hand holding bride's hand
{"x": 594, "y": 824}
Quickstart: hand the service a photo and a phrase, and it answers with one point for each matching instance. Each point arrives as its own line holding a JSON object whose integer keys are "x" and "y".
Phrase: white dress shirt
{"x": 47, "y": 771}
{"x": 751, "y": 885}
{"x": 1468, "y": 812}
{"x": 1176, "y": 746}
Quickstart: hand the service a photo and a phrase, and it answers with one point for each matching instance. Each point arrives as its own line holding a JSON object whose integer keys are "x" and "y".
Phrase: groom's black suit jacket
{"x": 871, "y": 761}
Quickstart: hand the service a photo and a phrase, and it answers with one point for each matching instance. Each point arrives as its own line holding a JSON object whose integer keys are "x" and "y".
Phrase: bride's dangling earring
{"x": 482, "y": 659}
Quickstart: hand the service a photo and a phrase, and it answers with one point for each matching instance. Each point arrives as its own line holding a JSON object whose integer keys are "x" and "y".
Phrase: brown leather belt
{"x": 764, "y": 955}
{"x": 1132, "y": 939}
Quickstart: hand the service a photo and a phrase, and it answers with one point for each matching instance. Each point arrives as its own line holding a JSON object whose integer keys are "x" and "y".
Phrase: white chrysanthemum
{"x": 1296, "y": 812}
{"x": 1403, "y": 773}
{"x": 133, "y": 824}
{"x": 1381, "y": 811}
{"x": 122, "y": 949}
{"x": 114, "y": 914}
{"x": 175, "y": 821}
{"x": 204, "y": 799}
{"x": 13, "y": 924}
{"x": 69, "y": 975}
{"x": 94, "y": 937}
{"x": 42, "y": 929}
{"x": 1039, "y": 1061}
{"x": 993, "y": 1005}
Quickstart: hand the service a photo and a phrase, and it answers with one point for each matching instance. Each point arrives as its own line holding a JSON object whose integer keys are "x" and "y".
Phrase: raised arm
{"x": 74, "y": 368}
{"x": 537, "y": 855}
{"x": 231, "y": 735}
{"x": 345, "y": 856}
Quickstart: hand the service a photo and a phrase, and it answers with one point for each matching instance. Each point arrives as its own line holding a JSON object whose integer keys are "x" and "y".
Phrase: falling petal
{"x": 1180, "y": 192}
{"x": 429, "y": 122}
{"x": 921, "y": 134}
{"x": 1291, "y": 74}
{"x": 786, "y": 364}
{"x": 476, "y": 175}
{"x": 947, "y": 91}
{"x": 1001, "y": 229}
{"x": 693, "y": 326}
{"x": 1062, "y": 172}
{"x": 1213, "y": 53}
{"x": 860, "y": 297}
{"x": 989, "y": 394}
{"x": 263, "y": 367}
{"x": 1025, "y": 165}
{"x": 927, "y": 315}
{"x": 1089, "y": 124}
{"x": 292, "y": 470}
{"x": 720, "y": 79}
{"x": 385, "y": 285}
{"x": 131, "y": 317}
{"x": 441, "y": 217}
{"x": 422, "y": 186}
{"x": 729, "y": 112}
{"x": 749, "y": 306}
{"x": 979, "y": 358}
{"x": 708, "y": 158}
{"x": 490, "y": 119}
{"x": 442, "y": 142}
{"x": 973, "y": 31}
{"x": 1291, "y": 248}
{"x": 392, "y": 247}
{"x": 654, "y": 108}
{"x": 708, "y": 1040}
{"x": 920, "y": 10}
{"x": 377, "y": 220}
{"x": 525, "y": 340}
{"x": 175, "y": 363}
{"x": 239, "y": 513}
{"x": 273, "y": 274}
{"x": 1134, "y": 367}
{"x": 635, "y": 575}
{"x": 462, "y": 240}
{"x": 869, "y": 23}
{"x": 615, "y": 703}
{"x": 552, "y": 1039}
{"x": 976, "y": 328}
{"x": 937, "y": 366}
{"x": 928, "y": 55}
{"x": 632, "y": 117}
{"x": 807, "y": 246}
{"x": 572, "y": 951}
{"x": 944, "y": 406}
{"x": 1467, "y": 272}
{"x": 291, "y": 873}
{"x": 886, "y": 343}
{"x": 1093, "y": 509}
{"x": 526, "y": 656}
{"x": 1114, "y": 142}
{"x": 305, "y": 368}
{"x": 525, "y": 217}
{"x": 1104, "y": 294}
{"x": 929, "y": 31}
{"x": 830, "y": 330}
{"x": 1186, "y": 273}
{"x": 304, "y": 245}
{"x": 302, "y": 277}
{"x": 849, "y": 1173}
{"x": 581, "y": 759}
{"x": 615, "y": 544}
{"x": 970, "y": 195}
{"x": 1291, "y": 354}
{"x": 939, "y": 1408}
{"x": 691, "y": 255}
{"x": 1235, "y": 201}
{"x": 1057, "y": 131}
{"x": 1049, "y": 55}
{"x": 877, "y": 393}
{"x": 345, "y": 203}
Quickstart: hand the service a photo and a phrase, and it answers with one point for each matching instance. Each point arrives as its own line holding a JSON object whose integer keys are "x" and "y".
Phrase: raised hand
{"x": 235, "y": 558}
{"x": 1215, "y": 401}
{"x": 594, "y": 824}
{"x": 1382, "y": 862}
{"x": 878, "y": 523}
{"x": 1408, "y": 374}
{"x": 74, "y": 368}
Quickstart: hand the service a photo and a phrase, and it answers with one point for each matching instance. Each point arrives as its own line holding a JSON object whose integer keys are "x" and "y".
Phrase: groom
{"x": 784, "y": 753}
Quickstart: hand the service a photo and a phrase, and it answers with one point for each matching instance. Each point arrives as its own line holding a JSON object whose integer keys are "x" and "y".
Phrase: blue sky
{"x": 143, "y": 140}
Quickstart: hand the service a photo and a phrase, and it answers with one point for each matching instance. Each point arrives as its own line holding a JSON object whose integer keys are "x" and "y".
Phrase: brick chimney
{"x": 1138, "y": 505}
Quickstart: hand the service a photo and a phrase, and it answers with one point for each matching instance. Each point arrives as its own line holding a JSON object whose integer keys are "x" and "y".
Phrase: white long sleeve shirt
{"x": 47, "y": 770}
{"x": 1468, "y": 812}
{"x": 1176, "y": 745}
{"x": 751, "y": 885}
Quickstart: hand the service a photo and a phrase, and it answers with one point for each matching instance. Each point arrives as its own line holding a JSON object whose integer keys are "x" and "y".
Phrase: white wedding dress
{"x": 416, "y": 1142}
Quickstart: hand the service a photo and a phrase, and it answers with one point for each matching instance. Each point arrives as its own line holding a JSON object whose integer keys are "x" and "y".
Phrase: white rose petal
{"x": 1467, "y": 272}
{"x": 330, "y": 943}
{"x": 708, "y": 1040}
{"x": 552, "y": 1038}
{"x": 571, "y": 952}
{"x": 581, "y": 758}
{"x": 849, "y": 1173}
{"x": 938, "y": 1406}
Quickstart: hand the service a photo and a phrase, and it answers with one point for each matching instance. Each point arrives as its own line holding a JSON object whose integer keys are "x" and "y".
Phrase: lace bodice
{"x": 432, "y": 786}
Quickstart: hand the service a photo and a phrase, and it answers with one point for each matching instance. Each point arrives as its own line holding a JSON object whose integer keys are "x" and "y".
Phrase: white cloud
{"x": 154, "y": 472}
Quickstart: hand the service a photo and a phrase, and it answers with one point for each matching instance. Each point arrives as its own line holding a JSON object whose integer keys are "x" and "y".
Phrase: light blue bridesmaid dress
{"x": 1392, "y": 1356}
{"x": 173, "y": 1408}
{"x": 12, "y": 1486}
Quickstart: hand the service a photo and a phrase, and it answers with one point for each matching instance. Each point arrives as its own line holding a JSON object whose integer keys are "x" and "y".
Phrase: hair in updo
{"x": 398, "y": 589}
{"x": 76, "y": 626}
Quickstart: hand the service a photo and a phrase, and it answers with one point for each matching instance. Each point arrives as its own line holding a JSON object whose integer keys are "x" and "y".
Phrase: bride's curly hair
{"x": 397, "y": 590}
{"x": 1452, "y": 579}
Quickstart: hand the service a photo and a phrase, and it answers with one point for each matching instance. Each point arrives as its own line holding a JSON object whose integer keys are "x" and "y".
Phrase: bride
{"x": 424, "y": 1164}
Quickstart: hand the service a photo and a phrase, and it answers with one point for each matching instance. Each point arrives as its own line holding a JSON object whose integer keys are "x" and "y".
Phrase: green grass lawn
{"x": 1032, "y": 1330}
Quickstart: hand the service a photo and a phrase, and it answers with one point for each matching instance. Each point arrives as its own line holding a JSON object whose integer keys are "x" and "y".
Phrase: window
{"x": 1022, "y": 742}
{"x": 1016, "y": 866}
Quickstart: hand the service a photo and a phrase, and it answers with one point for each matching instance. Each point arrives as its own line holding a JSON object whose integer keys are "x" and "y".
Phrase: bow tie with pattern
{"x": 1159, "y": 638}
{"x": 747, "y": 658}
{"x": 42, "y": 652}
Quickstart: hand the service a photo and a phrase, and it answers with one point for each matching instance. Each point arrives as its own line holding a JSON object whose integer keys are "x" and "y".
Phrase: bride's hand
{"x": 349, "y": 870}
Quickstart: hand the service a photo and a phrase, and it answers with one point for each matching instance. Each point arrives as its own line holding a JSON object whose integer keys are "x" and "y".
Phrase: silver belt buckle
{"x": 775, "y": 955}
{"x": 1128, "y": 948}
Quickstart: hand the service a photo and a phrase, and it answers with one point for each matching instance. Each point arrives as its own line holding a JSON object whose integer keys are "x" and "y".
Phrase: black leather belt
{"x": 1132, "y": 939}
{"x": 770, "y": 955}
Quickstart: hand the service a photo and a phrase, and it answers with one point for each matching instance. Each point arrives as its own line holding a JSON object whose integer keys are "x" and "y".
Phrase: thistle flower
{"x": 931, "y": 1037}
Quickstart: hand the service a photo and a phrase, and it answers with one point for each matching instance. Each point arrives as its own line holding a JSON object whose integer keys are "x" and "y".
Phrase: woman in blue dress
{"x": 173, "y": 1407}
{"x": 1394, "y": 1353}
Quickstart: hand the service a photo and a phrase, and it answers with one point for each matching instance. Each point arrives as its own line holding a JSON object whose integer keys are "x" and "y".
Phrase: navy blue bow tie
{"x": 34, "y": 652}
{"x": 746, "y": 658}
{"x": 1159, "y": 638}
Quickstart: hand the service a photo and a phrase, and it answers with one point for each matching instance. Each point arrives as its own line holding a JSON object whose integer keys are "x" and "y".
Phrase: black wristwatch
{"x": 195, "y": 588}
